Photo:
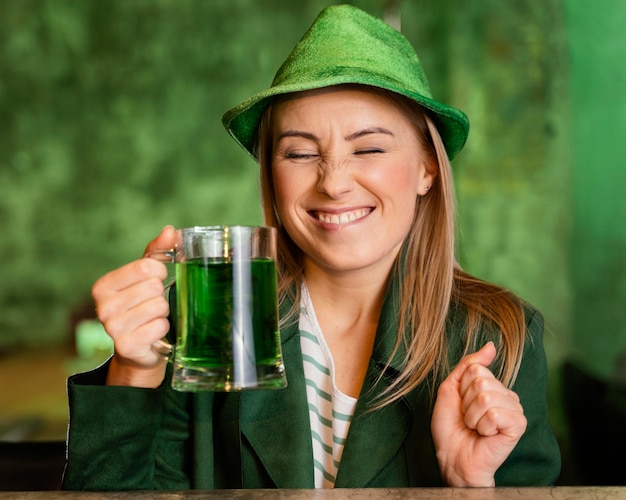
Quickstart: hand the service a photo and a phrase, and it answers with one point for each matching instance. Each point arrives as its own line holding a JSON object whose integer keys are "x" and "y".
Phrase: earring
{"x": 426, "y": 188}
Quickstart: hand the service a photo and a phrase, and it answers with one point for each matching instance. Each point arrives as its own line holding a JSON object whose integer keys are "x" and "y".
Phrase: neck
{"x": 346, "y": 302}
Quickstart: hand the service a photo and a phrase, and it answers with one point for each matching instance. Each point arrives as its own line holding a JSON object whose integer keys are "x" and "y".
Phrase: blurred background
{"x": 110, "y": 129}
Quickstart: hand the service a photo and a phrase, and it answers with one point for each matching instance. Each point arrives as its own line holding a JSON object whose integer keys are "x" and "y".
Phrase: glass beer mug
{"x": 227, "y": 336}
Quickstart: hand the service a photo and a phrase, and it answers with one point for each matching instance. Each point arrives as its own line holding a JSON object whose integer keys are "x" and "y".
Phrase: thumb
{"x": 164, "y": 241}
{"x": 484, "y": 356}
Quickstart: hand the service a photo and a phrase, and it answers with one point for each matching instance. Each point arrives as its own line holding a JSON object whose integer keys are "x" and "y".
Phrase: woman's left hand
{"x": 476, "y": 422}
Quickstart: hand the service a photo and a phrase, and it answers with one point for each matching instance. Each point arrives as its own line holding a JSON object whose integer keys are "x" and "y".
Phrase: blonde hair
{"x": 429, "y": 276}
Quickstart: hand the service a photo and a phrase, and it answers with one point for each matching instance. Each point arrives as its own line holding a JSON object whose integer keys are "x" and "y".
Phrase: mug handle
{"x": 167, "y": 257}
{"x": 162, "y": 347}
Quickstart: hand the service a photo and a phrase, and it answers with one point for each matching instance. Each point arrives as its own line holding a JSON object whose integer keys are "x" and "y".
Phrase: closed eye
{"x": 294, "y": 155}
{"x": 369, "y": 151}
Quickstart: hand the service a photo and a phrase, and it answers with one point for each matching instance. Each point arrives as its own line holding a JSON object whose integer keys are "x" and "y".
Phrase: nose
{"x": 335, "y": 179}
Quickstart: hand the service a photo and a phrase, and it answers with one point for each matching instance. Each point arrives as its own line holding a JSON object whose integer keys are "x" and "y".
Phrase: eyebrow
{"x": 368, "y": 131}
{"x": 349, "y": 137}
{"x": 297, "y": 133}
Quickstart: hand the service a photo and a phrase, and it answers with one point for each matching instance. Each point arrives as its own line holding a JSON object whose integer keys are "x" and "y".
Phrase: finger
{"x": 477, "y": 379}
{"x": 483, "y": 357}
{"x": 481, "y": 400}
{"x": 137, "y": 344}
{"x": 114, "y": 302}
{"x": 489, "y": 403}
{"x": 131, "y": 319}
{"x": 450, "y": 388}
{"x": 127, "y": 276}
{"x": 164, "y": 241}
{"x": 507, "y": 422}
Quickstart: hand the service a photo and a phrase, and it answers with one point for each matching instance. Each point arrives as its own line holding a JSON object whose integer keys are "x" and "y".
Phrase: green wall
{"x": 110, "y": 129}
{"x": 598, "y": 243}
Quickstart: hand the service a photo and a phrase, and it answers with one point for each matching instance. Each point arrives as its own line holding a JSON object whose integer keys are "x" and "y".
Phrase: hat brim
{"x": 243, "y": 120}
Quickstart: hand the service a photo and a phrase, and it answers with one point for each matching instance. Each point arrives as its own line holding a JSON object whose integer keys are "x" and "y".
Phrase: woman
{"x": 430, "y": 377}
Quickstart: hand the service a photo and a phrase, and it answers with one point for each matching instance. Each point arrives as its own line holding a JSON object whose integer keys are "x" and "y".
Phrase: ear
{"x": 426, "y": 179}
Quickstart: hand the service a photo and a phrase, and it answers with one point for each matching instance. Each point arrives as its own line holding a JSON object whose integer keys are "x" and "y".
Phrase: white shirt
{"x": 330, "y": 410}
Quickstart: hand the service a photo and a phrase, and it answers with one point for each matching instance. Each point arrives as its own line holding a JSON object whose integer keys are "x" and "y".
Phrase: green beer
{"x": 228, "y": 322}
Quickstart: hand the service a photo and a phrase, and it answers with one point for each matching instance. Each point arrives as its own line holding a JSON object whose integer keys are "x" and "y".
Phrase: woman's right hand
{"x": 131, "y": 304}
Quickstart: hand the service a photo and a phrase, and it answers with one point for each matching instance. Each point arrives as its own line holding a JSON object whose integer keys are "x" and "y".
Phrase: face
{"x": 348, "y": 168}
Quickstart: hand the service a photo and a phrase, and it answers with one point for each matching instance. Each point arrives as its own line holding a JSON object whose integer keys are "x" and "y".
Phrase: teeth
{"x": 343, "y": 218}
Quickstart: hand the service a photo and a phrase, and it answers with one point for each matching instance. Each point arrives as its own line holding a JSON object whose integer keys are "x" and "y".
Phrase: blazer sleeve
{"x": 125, "y": 438}
{"x": 536, "y": 460}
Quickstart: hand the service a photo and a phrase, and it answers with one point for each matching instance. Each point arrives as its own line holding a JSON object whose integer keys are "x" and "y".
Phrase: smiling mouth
{"x": 342, "y": 218}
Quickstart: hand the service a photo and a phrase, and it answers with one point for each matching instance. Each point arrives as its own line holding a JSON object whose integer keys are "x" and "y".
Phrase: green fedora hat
{"x": 347, "y": 45}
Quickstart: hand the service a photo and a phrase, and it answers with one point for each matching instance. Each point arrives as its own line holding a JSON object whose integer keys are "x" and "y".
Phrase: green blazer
{"x": 123, "y": 438}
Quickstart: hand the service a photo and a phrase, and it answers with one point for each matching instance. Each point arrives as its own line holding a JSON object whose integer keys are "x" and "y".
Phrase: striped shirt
{"x": 330, "y": 410}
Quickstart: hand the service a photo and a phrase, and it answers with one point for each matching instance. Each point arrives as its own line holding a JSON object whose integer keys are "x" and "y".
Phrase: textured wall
{"x": 110, "y": 129}
{"x": 598, "y": 244}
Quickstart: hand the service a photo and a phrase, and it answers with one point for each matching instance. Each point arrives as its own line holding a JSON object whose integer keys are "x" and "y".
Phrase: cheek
{"x": 287, "y": 188}
{"x": 281, "y": 192}
{"x": 400, "y": 181}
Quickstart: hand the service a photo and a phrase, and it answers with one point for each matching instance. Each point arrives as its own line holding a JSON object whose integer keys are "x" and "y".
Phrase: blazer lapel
{"x": 376, "y": 436}
{"x": 276, "y": 422}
